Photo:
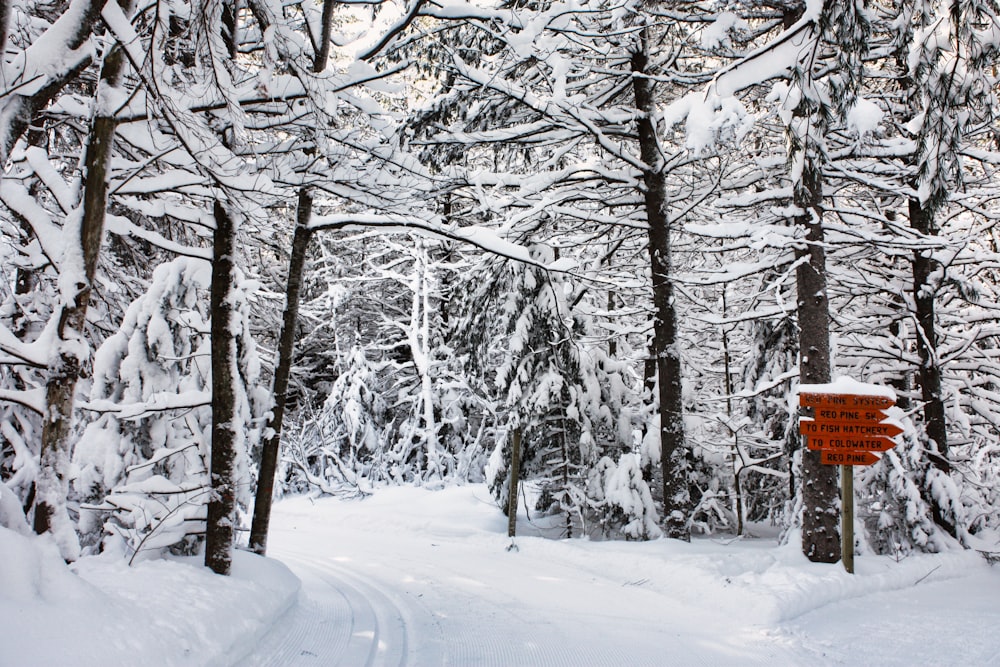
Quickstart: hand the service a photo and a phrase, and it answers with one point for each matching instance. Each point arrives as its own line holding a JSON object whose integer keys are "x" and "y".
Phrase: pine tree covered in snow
{"x": 342, "y": 447}
{"x": 620, "y": 500}
{"x": 143, "y": 462}
{"x": 565, "y": 395}
{"x": 927, "y": 340}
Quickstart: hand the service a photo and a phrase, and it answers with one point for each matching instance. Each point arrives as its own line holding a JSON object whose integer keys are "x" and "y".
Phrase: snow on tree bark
{"x": 926, "y": 270}
{"x": 944, "y": 60}
{"x": 49, "y": 63}
{"x": 71, "y": 353}
{"x": 286, "y": 345}
{"x": 219, "y": 531}
{"x": 820, "y": 492}
{"x": 806, "y": 153}
{"x": 665, "y": 348}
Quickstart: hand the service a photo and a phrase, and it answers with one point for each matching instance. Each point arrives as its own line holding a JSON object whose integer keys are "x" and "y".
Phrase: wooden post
{"x": 515, "y": 473}
{"x": 847, "y": 517}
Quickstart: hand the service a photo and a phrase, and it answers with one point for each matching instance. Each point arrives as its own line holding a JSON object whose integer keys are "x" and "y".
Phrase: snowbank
{"x": 102, "y": 612}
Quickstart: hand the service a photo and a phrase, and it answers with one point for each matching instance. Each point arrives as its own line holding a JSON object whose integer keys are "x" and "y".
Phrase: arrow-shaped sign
{"x": 845, "y": 401}
{"x": 849, "y": 415}
{"x": 849, "y": 444}
{"x": 813, "y": 427}
{"x": 847, "y": 458}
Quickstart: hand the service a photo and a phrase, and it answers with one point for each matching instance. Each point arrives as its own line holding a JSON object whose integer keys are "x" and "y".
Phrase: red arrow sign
{"x": 848, "y": 429}
{"x": 847, "y": 458}
{"x": 849, "y": 415}
{"x": 845, "y": 401}
{"x": 849, "y": 444}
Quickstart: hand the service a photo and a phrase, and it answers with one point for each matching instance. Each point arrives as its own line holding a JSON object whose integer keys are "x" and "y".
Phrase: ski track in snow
{"x": 340, "y": 620}
{"x": 424, "y": 579}
{"x": 411, "y": 604}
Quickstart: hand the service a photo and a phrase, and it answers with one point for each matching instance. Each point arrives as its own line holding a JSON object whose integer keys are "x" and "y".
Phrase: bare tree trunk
{"x": 820, "y": 488}
{"x": 666, "y": 352}
{"x": 219, "y": 530}
{"x": 925, "y": 267}
{"x": 924, "y": 292}
{"x": 4, "y": 26}
{"x": 286, "y": 346}
{"x": 819, "y": 483}
{"x": 79, "y": 267}
{"x": 515, "y": 478}
{"x": 286, "y": 339}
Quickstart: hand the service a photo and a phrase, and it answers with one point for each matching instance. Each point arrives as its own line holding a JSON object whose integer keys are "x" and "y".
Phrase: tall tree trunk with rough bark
{"x": 820, "y": 488}
{"x": 286, "y": 348}
{"x": 221, "y": 524}
{"x": 925, "y": 269}
{"x": 937, "y": 101}
{"x": 820, "y": 492}
{"x": 666, "y": 351}
{"x": 72, "y": 353}
{"x": 286, "y": 339}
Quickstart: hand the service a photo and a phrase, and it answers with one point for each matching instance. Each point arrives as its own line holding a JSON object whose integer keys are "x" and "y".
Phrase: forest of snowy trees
{"x": 257, "y": 247}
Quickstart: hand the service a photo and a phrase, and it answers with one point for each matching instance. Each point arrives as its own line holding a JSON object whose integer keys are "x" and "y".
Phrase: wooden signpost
{"x": 847, "y": 428}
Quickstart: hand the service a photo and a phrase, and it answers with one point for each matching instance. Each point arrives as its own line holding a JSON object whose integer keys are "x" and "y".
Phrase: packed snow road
{"x": 444, "y": 619}
{"x": 418, "y": 578}
{"x": 442, "y": 602}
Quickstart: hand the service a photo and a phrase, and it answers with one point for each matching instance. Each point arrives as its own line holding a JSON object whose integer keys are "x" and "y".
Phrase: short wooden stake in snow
{"x": 847, "y": 517}
{"x": 515, "y": 472}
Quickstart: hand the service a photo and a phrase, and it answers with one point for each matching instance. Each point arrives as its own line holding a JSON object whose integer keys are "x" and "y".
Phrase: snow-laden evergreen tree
{"x": 144, "y": 461}
{"x": 890, "y": 504}
{"x": 574, "y": 95}
{"x": 565, "y": 395}
{"x": 20, "y": 421}
{"x": 342, "y": 447}
{"x": 620, "y": 501}
{"x": 390, "y": 297}
{"x": 949, "y": 86}
{"x": 926, "y": 139}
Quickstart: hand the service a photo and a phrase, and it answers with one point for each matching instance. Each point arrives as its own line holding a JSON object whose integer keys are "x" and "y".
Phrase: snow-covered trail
{"x": 411, "y": 577}
{"x": 443, "y": 590}
{"x": 340, "y": 621}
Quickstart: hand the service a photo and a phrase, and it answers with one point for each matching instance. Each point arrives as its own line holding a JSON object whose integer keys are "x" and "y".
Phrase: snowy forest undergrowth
{"x": 584, "y": 250}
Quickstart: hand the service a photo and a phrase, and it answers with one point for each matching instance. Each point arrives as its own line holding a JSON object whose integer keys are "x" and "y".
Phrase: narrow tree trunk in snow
{"x": 282, "y": 371}
{"x": 925, "y": 268}
{"x": 515, "y": 476}
{"x": 219, "y": 529}
{"x": 925, "y": 277}
{"x": 820, "y": 488}
{"x": 286, "y": 339}
{"x": 666, "y": 352}
{"x": 419, "y": 340}
{"x": 71, "y": 353}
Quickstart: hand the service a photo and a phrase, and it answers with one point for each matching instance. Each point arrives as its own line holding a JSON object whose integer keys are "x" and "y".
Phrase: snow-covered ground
{"x": 415, "y": 577}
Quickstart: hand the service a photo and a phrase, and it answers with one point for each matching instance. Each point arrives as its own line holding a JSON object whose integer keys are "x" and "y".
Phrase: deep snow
{"x": 417, "y": 577}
